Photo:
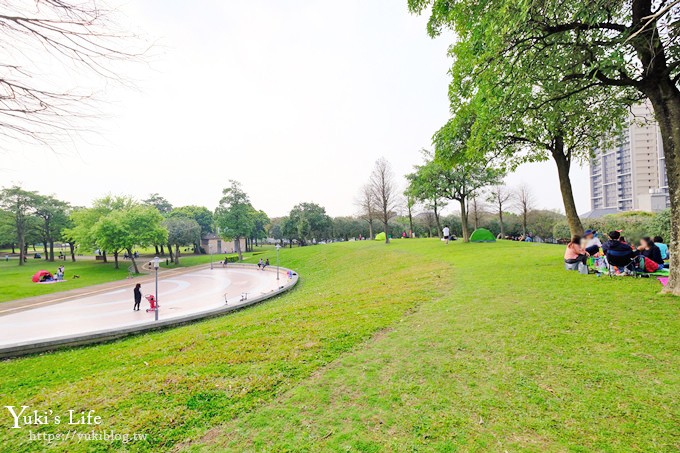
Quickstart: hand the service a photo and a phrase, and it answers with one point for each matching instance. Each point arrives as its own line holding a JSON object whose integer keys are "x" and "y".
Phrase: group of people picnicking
{"x": 650, "y": 255}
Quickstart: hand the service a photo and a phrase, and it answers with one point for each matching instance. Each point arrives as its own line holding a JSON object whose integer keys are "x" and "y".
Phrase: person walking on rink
{"x": 138, "y": 296}
{"x": 446, "y": 232}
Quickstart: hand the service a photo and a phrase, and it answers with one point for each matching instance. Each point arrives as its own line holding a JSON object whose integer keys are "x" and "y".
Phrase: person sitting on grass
{"x": 663, "y": 248}
{"x": 617, "y": 243}
{"x": 618, "y": 252}
{"x": 574, "y": 252}
{"x": 649, "y": 250}
{"x": 590, "y": 242}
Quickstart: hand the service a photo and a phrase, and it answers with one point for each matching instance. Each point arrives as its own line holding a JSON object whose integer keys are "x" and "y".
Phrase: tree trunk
{"x": 22, "y": 246}
{"x": 52, "y": 251}
{"x": 134, "y": 263}
{"x": 157, "y": 251}
{"x": 525, "y": 214}
{"x": 370, "y": 229}
{"x": 386, "y": 221}
{"x": 563, "y": 163}
{"x": 500, "y": 220}
{"x": 464, "y": 221}
{"x": 436, "y": 219}
{"x": 47, "y": 252}
{"x": 73, "y": 251}
{"x": 163, "y": 250}
{"x": 237, "y": 244}
{"x": 13, "y": 249}
{"x": 115, "y": 260}
{"x": 172, "y": 259}
{"x": 176, "y": 253}
{"x": 104, "y": 255}
{"x": 665, "y": 99}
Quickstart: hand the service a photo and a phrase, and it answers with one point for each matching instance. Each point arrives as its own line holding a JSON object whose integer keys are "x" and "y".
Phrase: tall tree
{"x": 85, "y": 219}
{"x": 466, "y": 173}
{"x": 164, "y": 207}
{"x": 160, "y": 203}
{"x": 477, "y": 209}
{"x": 259, "y": 231}
{"x": 289, "y": 230}
{"x": 500, "y": 196}
{"x": 234, "y": 215}
{"x": 524, "y": 201}
{"x": 144, "y": 228}
{"x": 463, "y": 183}
{"x": 8, "y": 235}
{"x": 585, "y": 47}
{"x": 410, "y": 204}
{"x": 368, "y": 208}
{"x": 310, "y": 221}
{"x": 201, "y": 215}
{"x": 54, "y": 218}
{"x": 20, "y": 204}
{"x": 181, "y": 231}
{"x": 384, "y": 192}
{"x": 425, "y": 186}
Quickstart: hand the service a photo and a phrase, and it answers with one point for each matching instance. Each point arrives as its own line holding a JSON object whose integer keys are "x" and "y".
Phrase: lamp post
{"x": 278, "y": 247}
{"x": 156, "y": 264}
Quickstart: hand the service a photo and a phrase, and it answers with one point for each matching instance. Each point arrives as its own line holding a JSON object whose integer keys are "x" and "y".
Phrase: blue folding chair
{"x": 624, "y": 260}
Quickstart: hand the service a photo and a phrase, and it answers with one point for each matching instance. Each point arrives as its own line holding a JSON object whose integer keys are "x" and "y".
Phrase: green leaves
{"x": 234, "y": 216}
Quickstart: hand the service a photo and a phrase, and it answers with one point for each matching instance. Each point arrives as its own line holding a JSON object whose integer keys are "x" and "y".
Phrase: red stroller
{"x": 152, "y": 303}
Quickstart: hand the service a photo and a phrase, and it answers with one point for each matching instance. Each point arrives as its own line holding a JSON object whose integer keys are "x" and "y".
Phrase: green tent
{"x": 380, "y": 236}
{"x": 482, "y": 235}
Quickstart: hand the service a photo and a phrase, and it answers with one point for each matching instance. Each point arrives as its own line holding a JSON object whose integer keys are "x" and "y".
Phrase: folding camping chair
{"x": 623, "y": 260}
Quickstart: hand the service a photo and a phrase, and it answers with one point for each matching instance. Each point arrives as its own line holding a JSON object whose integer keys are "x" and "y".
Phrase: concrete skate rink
{"x": 109, "y": 314}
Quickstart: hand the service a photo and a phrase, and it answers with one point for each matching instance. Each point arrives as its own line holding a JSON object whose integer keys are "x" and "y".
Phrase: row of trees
{"x": 432, "y": 186}
{"x": 112, "y": 224}
{"x": 547, "y": 80}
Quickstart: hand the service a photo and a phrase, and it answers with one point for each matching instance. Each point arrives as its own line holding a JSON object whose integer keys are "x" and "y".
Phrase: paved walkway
{"x": 47, "y": 299}
{"x": 109, "y": 307}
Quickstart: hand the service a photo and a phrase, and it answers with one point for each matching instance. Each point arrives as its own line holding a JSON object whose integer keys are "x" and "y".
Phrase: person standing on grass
{"x": 446, "y": 232}
{"x": 138, "y": 296}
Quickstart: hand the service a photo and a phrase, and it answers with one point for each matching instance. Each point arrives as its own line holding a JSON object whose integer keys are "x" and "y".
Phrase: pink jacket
{"x": 573, "y": 251}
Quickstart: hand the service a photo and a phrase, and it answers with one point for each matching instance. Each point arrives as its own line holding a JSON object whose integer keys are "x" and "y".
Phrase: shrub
{"x": 231, "y": 258}
{"x": 661, "y": 225}
{"x": 561, "y": 231}
{"x": 634, "y": 224}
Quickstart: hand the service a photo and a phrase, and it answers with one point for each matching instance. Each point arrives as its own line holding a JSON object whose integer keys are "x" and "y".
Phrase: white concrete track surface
{"x": 179, "y": 296}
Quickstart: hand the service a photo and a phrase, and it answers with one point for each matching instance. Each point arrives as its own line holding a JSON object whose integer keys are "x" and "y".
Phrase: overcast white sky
{"x": 294, "y": 99}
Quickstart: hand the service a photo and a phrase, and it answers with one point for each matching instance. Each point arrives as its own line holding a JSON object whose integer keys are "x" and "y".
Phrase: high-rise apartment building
{"x": 631, "y": 175}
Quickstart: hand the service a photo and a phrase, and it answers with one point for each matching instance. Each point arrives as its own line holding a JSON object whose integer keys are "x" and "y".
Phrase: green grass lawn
{"x": 412, "y": 346}
{"x": 15, "y": 280}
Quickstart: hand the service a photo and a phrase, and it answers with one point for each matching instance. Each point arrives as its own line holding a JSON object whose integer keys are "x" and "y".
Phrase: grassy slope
{"x": 448, "y": 350}
{"x": 518, "y": 357}
{"x": 177, "y": 384}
